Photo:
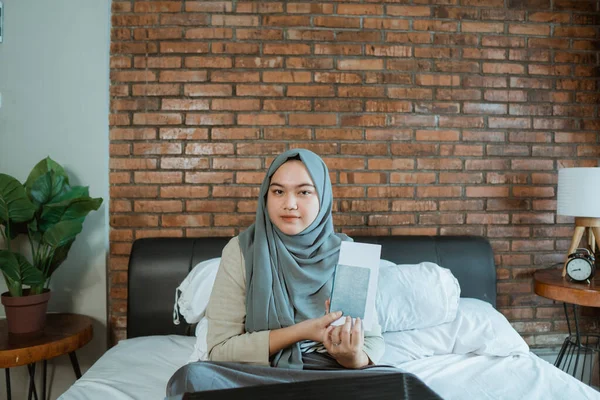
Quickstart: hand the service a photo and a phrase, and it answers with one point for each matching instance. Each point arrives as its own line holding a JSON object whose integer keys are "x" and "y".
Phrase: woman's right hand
{"x": 315, "y": 329}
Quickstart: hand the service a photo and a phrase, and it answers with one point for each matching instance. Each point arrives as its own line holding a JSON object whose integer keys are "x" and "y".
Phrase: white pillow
{"x": 200, "y": 352}
{"x": 415, "y": 296}
{"x": 478, "y": 328}
{"x": 191, "y": 297}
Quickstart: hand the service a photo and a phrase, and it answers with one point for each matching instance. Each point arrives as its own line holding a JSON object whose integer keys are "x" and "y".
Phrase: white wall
{"x": 54, "y": 82}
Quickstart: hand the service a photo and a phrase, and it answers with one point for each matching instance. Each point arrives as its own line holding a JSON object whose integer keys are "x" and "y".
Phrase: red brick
{"x": 183, "y": 191}
{"x": 236, "y": 163}
{"x": 391, "y": 164}
{"x": 388, "y": 134}
{"x": 183, "y": 47}
{"x": 261, "y": 119}
{"x": 423, "y": 178}
{"x": 260, "y": 90}
{"x": 187, "y": 105}
{"x": 287, "y": 49}
{"x": 183, "y": 133}
{"x": 158, "y": 89}
{"x": 209, "y": 119}
{"x": 120, "y": 149}
{"x": 391, "y": 191}
{"x": 207, "y": 90}
{"x": 233, "y": 191}
{"x": 208, "y": 177}
{"x": 287, "y": 105}
{"x": 184, "y": 163}
{"x": 157, "y": 62}
{"x": 183, "y": 76}
{"x": 156, "y": 148}
{"x": 234, "y": 20}
{"x": 140, "y": 220}
{"x": 153, "y": 206}
{"x": 235, "y": 48}
{"x": 391, "y": 219}
{"x": 119, "y": 177}
{"x": 312, "y": 119}
{"x": 236, "y": 105}
{"x": 309, "y": 8}
{"x": 260, "y": 148}
{"x": 208, "y": 62}
{"x": 208, "y": 148}
{"x": 287, "y": 133}
{"x": 209, "y": 33}
{"x": 281, "y": 21}
{"x": 185, "y": 220}
{"x": 349, "y": 64}
{"x": 143, "y": 34}
{"x": 361, "y": 91}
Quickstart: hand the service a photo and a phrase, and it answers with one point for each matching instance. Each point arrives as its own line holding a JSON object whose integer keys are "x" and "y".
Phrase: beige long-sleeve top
{"x": 227, "y": 339}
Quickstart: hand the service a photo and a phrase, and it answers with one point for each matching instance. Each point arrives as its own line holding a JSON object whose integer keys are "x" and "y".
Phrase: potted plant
{"x": 50, "y": 212}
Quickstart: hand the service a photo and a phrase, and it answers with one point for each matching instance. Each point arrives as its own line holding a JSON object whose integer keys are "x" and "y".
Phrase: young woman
{"x": 269, "y": 304}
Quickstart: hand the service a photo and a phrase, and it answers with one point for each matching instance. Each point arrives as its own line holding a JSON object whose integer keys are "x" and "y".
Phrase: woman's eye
{"x": 306, "y": 193}
{"x": 277, "y": 191}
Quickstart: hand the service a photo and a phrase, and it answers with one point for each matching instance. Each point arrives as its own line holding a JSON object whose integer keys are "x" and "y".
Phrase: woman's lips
{"x": 289, "y": 218}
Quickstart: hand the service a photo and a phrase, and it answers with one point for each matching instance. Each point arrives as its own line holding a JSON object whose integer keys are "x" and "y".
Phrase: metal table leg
{"x": 75, "y": 364}
{"x": 31, "y": 368}
{"x": 7, "y": 375}
{"x": 44, "y": 381}
{"x": 576, "y": 349}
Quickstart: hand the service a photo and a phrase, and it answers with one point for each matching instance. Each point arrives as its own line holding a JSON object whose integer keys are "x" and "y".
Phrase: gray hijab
{"x": 289, "y": 277}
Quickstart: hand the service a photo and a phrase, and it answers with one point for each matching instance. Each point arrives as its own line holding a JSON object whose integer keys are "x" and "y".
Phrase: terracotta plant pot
{"x": 26, "y": 313}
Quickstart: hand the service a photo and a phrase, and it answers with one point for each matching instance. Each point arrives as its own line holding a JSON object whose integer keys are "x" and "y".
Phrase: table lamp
{"x": 579, "y": 197}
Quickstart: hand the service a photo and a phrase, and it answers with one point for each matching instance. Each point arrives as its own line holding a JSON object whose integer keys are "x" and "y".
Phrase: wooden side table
{"x": 63, "y": 334}
{"x": 550, "y": 283}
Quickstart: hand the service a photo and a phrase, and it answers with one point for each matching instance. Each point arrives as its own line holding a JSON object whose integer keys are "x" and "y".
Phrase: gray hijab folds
{"x": 289, "y": 277}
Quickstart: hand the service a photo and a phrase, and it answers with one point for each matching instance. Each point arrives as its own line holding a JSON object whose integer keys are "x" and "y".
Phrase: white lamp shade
{"x": 579, "y": 192}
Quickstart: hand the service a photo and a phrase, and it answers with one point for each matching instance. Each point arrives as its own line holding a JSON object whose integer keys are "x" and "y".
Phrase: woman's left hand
{"x": 345, "y": 344}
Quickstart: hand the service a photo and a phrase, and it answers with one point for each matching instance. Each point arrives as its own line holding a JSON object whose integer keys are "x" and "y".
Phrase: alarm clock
{"x": 581, "y": 265}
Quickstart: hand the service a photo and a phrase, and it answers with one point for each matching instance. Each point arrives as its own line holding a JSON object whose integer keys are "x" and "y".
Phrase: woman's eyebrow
{"x": 298, "y": 186}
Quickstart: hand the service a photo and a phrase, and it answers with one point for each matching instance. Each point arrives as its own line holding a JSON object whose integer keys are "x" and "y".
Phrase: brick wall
{"x": 434, "y": 116}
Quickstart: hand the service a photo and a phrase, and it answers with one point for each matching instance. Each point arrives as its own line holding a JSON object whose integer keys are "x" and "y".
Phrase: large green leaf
{"x": 60, "y": 255}
{"x": 18, "y": 271}
{"x": 44, "y": 166}
{"x": 74, "y": 208}
{"x": 62, "y": 233}
{"x": 14, "y": 204}
{"x": 46, "y": 187}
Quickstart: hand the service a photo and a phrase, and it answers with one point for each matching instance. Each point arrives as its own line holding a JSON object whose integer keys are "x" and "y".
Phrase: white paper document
{"x": 355, "y": 282}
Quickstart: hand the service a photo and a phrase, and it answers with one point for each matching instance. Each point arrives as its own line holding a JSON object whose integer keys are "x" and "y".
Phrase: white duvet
{"x": 140, "y": 368}
{"x": 476, "y": 377}
{"x": 476, "y": 356}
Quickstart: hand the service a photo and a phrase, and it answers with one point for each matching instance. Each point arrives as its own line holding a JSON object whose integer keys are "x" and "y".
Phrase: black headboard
{"x": 158, "y": 265}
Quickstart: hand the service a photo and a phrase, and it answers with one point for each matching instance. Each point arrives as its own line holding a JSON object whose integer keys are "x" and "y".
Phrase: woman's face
{"x": 292, "y": 200}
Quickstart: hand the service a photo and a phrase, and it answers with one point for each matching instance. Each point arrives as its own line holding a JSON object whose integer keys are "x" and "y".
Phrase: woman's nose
{"x": 290, "y": 203}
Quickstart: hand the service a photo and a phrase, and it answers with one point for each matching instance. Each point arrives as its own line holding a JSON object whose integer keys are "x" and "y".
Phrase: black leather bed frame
{"x": 158, "y": 265}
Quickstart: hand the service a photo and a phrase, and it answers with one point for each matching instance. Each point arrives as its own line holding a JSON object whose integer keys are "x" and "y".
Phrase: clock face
{"x": 579, "y": 269}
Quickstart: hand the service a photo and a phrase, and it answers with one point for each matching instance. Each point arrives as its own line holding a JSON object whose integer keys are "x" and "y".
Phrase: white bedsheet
{"x": 134, "y": 369}
{"x": 479, "y": 377}
{"x": 140, "y": 368}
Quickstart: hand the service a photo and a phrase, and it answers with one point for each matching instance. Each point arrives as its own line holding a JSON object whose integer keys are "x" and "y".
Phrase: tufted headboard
{"x": 158, "y": 265}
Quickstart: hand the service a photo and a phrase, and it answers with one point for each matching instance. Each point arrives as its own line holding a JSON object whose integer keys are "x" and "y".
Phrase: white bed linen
{"x": 134, "y": 369}
{"x": 481, "y": 377}
{"x": 140, "y": 369}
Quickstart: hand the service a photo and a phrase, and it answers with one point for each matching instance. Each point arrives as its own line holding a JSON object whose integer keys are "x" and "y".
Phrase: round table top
{"x": 549, "y": 283}
{"x": 63, "y": 334}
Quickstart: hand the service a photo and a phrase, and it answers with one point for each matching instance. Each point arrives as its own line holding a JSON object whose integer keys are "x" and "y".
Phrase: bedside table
{"x": 577, "y": 347}
{"x": 63, "y": 334}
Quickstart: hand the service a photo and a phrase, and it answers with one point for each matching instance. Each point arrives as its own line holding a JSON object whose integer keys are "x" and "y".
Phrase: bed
{"x": 139, "y": 367}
